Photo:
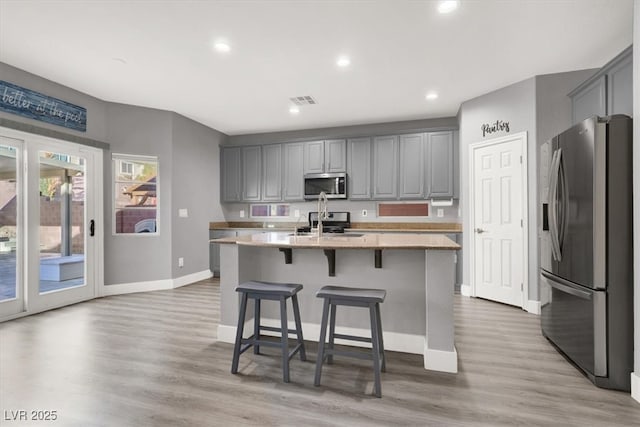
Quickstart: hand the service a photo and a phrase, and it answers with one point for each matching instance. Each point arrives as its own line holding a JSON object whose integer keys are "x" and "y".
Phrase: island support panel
{"x": 417, "y": 316}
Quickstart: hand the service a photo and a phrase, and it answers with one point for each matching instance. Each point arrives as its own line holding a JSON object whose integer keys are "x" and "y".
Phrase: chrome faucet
{"x": 322, "y": 211}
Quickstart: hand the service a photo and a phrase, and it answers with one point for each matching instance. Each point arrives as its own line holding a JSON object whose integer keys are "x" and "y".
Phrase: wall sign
{"x": 34, "y": 105}
{"x": 494, "y": 127}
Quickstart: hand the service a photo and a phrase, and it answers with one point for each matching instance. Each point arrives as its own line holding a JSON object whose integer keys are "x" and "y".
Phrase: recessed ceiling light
{"x": 343, "y": 61}
{"x": 431, "y": 96}
{"x": 222, "y": 46}
{"x": 294, "y": 109}
{"x": 448, "y": 6}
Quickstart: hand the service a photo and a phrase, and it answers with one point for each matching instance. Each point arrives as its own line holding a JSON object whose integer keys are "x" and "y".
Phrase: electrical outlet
{"x": 296, "y": 213}
{"x": 364, "y": 212}
{"x": 183, "y": 213}
{"x": 180, "y": 262}
{"x": 241, "y": 213}
{"x": 440, "y": 213}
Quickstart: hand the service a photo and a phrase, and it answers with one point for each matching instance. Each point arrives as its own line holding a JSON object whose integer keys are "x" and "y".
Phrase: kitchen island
{"x": 416, "y": 270}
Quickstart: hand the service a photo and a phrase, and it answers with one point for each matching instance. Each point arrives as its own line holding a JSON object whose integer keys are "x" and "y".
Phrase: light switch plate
{"x": 183, "y": 213}
{"x": 364, "y": 212}
{"x": 440, "y": 213}
{"x": 180, "y": 262}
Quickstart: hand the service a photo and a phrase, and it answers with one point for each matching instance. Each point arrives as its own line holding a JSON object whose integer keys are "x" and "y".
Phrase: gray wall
{"x": 539, "y": 106}
{"x": 195, "y": 183}
{"x": 178, "y": 143}
{"x": 389, "y": 128}
{"x": 636, "y": 189}
{"x": 96, "y": 108}
{"x": 514, "y": 104}
{"x": 137, "y": 258}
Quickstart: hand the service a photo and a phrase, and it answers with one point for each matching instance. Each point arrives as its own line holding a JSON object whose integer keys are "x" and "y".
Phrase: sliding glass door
{"x": 59, "y": 200}
{"x": 11, "y": 234}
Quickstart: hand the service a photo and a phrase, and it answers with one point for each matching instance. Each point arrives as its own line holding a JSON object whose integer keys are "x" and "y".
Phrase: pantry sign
{"x": 37, "y": 106}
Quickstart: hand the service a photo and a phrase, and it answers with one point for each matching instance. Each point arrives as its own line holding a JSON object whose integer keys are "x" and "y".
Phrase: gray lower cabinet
{"x": 385, "y": 167}
{"x": 293, "y": 173}
{"x": 272, "y": 172}
{"x": 231, "y": 174}
{"x": 607, "y": 92}
{"x": 411, "y": 166}
{"x": 440, "y": 164}
{"x": 359, "y": 168}
{"x": 251, "y": 173}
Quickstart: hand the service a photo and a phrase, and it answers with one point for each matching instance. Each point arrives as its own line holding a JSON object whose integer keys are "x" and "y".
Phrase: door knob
{"x": 480, "y": 230}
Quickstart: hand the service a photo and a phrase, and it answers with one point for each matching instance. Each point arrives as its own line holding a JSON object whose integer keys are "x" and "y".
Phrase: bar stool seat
{"x": 258, "y": 291}
{"x": 355, "y": 297}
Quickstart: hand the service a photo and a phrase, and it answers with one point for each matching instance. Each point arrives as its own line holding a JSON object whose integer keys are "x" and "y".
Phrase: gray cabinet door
{"x": 591, "y": 101}
{"x": 620, "y": 87}
{"x": 231, "y": 174}
{"x": 359, "y": 168}
{"x": 440, "y": 164}
{"x": 272, "y": 172}
{"x": 293, "y": 171}
{"x": 411, "y": 166}
{"x": 251, "y": 173}
{"x": 335, "y": 155}
{"x": 385, "y": 167}
{"x": 314, "y": 157}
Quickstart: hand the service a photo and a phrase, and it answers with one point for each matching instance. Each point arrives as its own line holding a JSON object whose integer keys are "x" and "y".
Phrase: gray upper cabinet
{"x": 440, "y": 164}
{"x": 314, "y": 157}
{"x": 620, "y": 87}
{"x": 251, "y": 173}
{"x": 231, "y": 174}
{"x": 272, "y": 172}
{"x": 335, "y": 155}
{"x": 411, "y": 166}
{"x": 608, "y": 92}
{"x": 590, "y": 101}
{"x": 293, "y": 188}
{"x": 385, "y": 167}
{"x": 359, "y": 168}
{"x": 325, "y": 156}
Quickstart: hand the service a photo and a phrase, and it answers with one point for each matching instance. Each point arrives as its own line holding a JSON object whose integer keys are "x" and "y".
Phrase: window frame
{"x": 115, "y": 170}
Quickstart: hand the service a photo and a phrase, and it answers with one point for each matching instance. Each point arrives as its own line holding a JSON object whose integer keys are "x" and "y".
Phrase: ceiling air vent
{"x": 303, "y": 100}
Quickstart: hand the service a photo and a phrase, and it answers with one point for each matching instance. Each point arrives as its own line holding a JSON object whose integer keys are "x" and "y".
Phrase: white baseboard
{"x": 465, "y": 290}
{"x": 438, "y": 360}
{"x": 635, "y": 385}
{"x": 532, "y": 307}
{"x": 393, "y": 341}
{"x": 191, "y": 278}
{"x": 155, "y": 285}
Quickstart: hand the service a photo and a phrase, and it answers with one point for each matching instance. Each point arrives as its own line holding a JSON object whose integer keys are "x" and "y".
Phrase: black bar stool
{"x": 269, "y": 291}
{"x": 355, "y": 297}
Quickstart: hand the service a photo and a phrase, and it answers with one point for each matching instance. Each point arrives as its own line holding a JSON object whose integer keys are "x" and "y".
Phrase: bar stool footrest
{"x": 352, "y": 337}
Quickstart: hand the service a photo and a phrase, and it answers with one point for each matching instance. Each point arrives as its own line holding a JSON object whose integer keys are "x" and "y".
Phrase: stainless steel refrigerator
{"x": 586, "y": 252}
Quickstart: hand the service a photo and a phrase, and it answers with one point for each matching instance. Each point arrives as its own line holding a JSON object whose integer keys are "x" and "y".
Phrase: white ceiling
{"x": 399, "y": 50}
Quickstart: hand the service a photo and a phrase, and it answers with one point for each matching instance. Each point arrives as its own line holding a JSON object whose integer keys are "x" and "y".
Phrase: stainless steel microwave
{"x": 333, "y": 184}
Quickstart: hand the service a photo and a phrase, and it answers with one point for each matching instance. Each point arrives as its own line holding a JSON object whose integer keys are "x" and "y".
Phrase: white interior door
{"x": 54, "y": 219}
{"x": 498, "y": 193}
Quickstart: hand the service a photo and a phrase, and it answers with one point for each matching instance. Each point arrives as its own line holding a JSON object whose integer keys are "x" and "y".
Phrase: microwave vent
{"x": 303, "y": 100}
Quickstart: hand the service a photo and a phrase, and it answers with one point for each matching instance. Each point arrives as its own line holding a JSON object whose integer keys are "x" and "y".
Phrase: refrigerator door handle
{"x": 566, "y": 287}
{"x": 553, "y": 206}
{"x": 563, "y": 203}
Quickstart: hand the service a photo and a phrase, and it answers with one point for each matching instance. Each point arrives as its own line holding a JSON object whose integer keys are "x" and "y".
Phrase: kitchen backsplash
{"x": 232, "y": 212}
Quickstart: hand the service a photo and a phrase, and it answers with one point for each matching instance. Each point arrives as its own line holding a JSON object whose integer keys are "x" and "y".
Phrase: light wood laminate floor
{"x": 151, "y": 359}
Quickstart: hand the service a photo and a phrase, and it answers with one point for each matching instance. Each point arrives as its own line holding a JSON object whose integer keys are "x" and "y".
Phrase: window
{"x": 135, "y": 194}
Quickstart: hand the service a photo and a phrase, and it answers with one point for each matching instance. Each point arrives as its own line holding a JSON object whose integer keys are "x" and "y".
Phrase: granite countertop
{"x": 403, "y": 227}
{"x": 348, "y": 241}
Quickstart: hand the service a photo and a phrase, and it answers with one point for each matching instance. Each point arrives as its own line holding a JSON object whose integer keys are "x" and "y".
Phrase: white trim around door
{"x": 471, "y": 290}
